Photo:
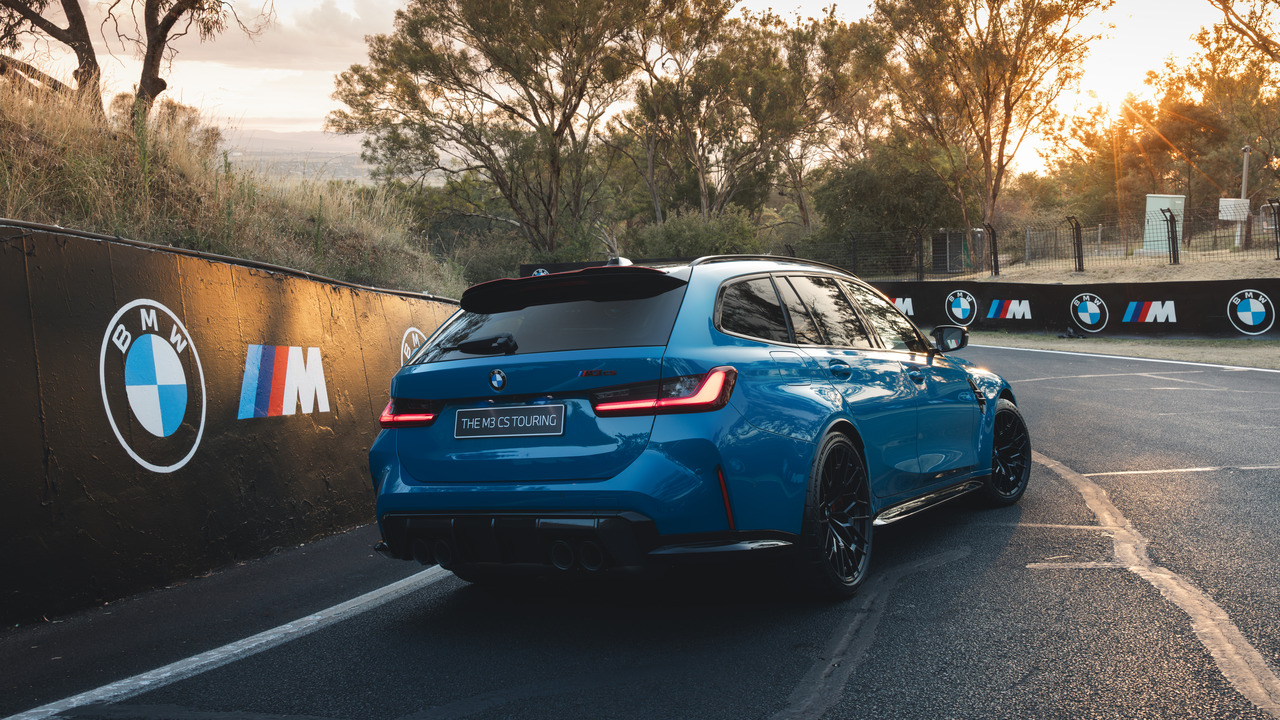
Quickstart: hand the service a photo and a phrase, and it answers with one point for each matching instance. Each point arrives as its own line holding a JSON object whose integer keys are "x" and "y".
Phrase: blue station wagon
{"x": 623, "y": 417}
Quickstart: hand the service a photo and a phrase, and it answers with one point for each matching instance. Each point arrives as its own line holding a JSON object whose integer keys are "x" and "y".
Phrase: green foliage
{"x": 512, "y": 91}
{"x": 973, "y": 79}
{"x": 883, "y": 192}
{"x": 163, "y": 183}
{"x": 688, "y": 236}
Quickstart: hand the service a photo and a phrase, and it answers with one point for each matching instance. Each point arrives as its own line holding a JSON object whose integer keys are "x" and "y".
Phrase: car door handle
{"x": 917, "y": 376}
{"x": 840, "y": 369}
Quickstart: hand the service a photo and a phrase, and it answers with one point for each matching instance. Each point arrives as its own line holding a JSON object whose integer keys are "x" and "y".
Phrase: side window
{"x": 801, "y": 322}
{"x": 894, "y": 329}
{"x": 751, "y": 308}
{"x": 832, "y": 311}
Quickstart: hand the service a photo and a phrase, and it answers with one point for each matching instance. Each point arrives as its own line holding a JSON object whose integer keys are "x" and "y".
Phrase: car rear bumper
{"x": 577, "y": 541}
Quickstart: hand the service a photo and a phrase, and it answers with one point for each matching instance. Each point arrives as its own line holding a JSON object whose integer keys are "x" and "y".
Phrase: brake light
{"x": 684, "y": 394}
{"x": 401, "y": 413}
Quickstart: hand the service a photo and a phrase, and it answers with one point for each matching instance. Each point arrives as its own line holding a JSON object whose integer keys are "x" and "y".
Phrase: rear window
{"x": 566, "y": 324}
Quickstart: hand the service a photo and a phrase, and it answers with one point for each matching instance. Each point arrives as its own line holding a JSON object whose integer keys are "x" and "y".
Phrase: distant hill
{"x": 308, "y": 154}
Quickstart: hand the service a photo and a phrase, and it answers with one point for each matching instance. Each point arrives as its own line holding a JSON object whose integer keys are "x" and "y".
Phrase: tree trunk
{"x": 88, "y": 74}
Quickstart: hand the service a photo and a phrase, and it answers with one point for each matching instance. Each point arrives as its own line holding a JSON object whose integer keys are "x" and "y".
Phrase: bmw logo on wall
{"x": 410, "y": 342}
{"x": 1251, "y": 312}
{"x": 1089, "y": 312}
{"x": 961, "y": 307}
{"x": 152, "y": 386}
{"x": 497, "y": 379}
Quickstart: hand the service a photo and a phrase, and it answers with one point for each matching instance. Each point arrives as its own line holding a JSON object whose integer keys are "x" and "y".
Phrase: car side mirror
{"x": 949, "y": 338}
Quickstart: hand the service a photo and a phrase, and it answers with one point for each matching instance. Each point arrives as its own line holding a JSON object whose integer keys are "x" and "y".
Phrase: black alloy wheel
{"x": 1010, "y": 456}
{"x": 838, "y": 520}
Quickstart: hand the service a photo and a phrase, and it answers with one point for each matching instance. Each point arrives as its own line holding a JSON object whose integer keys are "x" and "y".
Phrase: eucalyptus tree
{"x": 511, "y": 91}
{"x": 977, "y": 77}
{"x": 1255, "y": 21}
{"x": 664, "y": 54}
{"x": 148, "y": 26}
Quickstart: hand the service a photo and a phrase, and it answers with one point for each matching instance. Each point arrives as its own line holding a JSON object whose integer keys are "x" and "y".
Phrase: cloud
{"x": 315, "y": 37}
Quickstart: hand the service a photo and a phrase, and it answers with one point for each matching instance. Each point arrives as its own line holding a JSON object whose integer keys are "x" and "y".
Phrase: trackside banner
{"x": 168, "y": 412}
{"x": 1218, "y": 308}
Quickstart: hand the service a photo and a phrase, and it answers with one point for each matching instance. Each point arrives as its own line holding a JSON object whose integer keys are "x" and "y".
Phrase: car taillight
{"x": 403, "y": 413}
{"x": 684, "y": 394}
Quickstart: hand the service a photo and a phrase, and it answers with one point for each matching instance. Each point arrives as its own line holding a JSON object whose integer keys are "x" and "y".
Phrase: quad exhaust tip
{"x": 443, "y": 553}
{"x": 591, "y": 555}
{"x": 561, "y": 555}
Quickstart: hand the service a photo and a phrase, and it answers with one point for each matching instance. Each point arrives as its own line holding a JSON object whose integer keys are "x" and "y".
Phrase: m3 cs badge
{"x": 152, "y": 386}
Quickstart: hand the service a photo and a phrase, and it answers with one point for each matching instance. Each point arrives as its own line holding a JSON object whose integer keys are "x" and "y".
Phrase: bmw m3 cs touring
{"x": 625, "y": 416}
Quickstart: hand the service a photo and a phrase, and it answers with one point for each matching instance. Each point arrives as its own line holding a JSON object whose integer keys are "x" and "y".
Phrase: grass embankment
{"x": 169, "y": 184}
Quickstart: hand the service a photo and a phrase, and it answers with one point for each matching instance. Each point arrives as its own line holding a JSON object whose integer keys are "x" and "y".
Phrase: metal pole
{"x": 1244, "y": 190}
{"x": 919, "y": 254}
{"x": 1275, "y": 222}
{"x": 1171, "y": 220}
{"x": 1027, "y": 257}
{"x": 1078, "y": 242}
{"x": 995, "y": 250}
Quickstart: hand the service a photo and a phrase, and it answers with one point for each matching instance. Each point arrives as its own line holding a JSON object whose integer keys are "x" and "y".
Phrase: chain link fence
{"x": 1071, "y": 245}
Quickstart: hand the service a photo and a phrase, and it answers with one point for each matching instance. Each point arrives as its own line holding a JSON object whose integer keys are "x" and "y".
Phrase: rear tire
{"x": 837, "y": 525}
{"x": 1010, "y": 457}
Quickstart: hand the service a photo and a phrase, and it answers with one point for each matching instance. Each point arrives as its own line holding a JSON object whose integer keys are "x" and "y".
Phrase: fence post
{"x": 919, "y": 253}
{"x": 1078, "y": 242}
{"x": 1275, "y": 222}
{"x": 1172, "y": 221}
{"x": 1026, "y": 258}
{"x": 995, "y": 250}
{"x": 853, "y": 254}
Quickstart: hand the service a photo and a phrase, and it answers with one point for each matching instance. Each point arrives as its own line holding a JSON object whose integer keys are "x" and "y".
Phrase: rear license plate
{"x": 524, "y": 421}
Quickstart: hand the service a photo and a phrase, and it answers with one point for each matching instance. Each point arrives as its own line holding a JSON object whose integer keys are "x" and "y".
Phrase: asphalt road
{"x": 1138, "y": 578}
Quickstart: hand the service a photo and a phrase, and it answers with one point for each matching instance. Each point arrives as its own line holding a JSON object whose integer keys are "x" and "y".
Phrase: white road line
{"x": 240, "y": 649}
{"x": 1240, "y": 662}
{"x": 1182, "y": 470}
{"x": 1127, "y": 357}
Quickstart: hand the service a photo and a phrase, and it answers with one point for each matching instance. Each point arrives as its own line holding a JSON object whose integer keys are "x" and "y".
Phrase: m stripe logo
{"x": 1010, "y": 310}
{"x": 1151, "y": 312}
{"x": 277, "y": 379}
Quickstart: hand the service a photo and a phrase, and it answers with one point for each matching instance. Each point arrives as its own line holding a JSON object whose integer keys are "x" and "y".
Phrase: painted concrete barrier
{"x": 1211, "y": 308}
{"x": 168, "y": 412}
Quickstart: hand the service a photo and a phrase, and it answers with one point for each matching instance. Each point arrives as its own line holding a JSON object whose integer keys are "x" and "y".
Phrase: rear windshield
{"x": 550, "y": 327}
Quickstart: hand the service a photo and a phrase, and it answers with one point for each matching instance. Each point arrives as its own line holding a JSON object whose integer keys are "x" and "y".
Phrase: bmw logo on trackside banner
{"x": 1089, "y": 312}
{"x": 1251, "y": 312}
{"x": 961, "y": 307}
{"x": 152, "y": 386}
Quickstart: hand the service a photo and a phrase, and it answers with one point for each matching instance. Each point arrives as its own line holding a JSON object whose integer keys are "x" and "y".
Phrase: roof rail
{"x": 774, "y": 258}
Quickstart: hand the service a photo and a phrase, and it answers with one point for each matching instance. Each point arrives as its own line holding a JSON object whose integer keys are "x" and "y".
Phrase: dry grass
{"x": 1191, "y": 267}
{"x": 168, "y": 184}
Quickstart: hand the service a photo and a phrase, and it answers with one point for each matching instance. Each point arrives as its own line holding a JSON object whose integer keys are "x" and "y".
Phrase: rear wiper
{"x": 503, "y": 344}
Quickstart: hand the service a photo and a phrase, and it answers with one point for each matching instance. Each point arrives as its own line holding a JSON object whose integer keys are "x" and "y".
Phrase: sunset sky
{"x": 283, "y": 79}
